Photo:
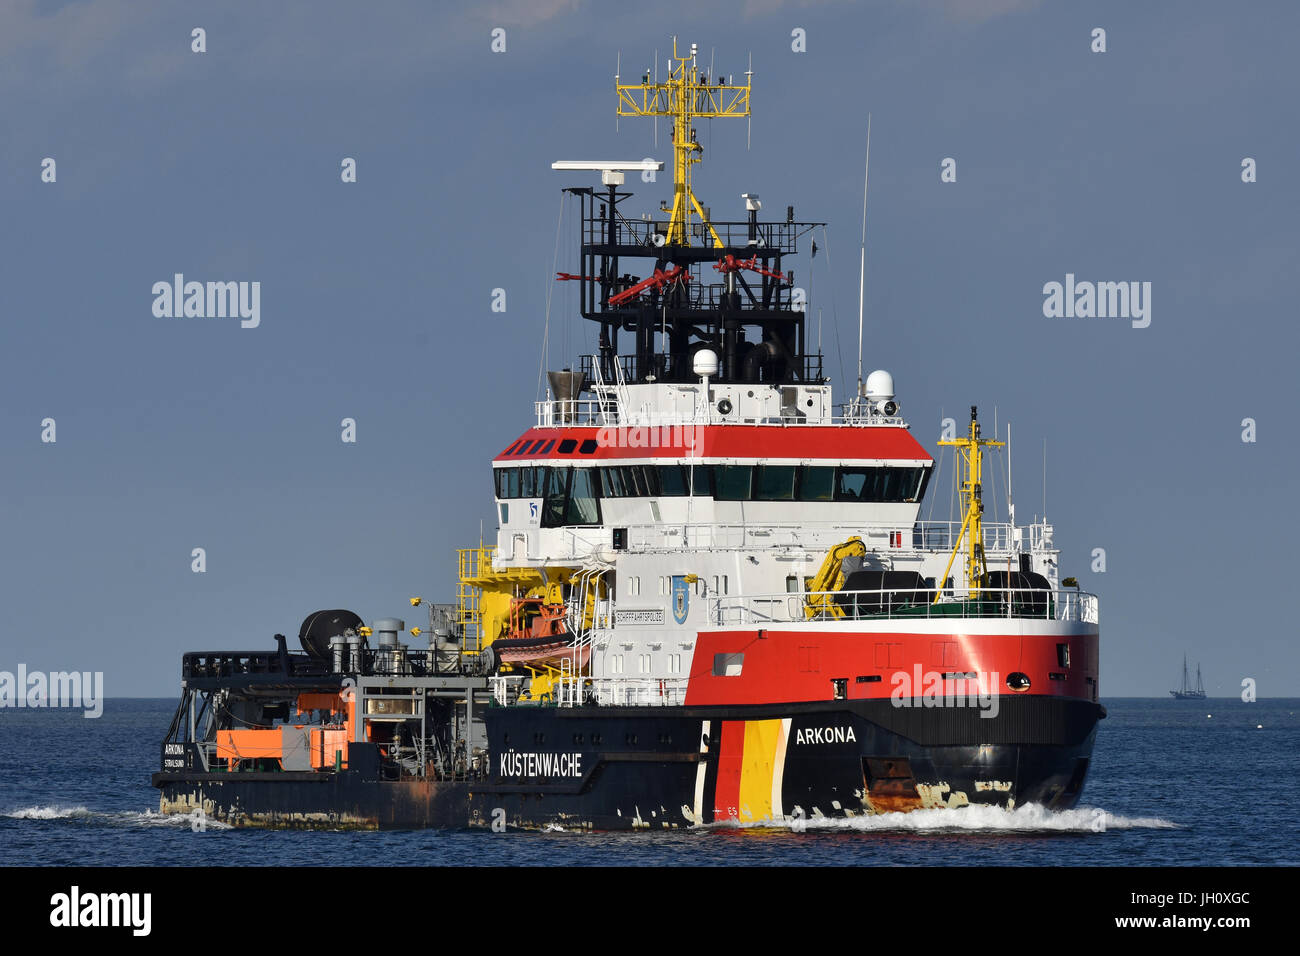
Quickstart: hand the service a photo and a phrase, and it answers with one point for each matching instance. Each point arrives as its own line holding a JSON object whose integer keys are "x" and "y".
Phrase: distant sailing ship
{"x": 1186, "y": 692}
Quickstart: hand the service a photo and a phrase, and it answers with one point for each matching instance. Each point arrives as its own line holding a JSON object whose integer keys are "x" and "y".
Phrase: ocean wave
{"x": 1030, "y": 818}
{"x": 46, "y": 813}
{"x": 110, "y": 818}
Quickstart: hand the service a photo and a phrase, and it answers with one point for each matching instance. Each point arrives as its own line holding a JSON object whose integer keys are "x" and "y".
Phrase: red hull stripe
{"x": 795, "y": 442}
{"x": 800, "y": 666}
{"x": 731, "y": 755}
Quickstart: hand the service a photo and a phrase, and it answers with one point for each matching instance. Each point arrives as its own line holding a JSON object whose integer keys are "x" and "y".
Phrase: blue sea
{"x": 1173, "y": 783}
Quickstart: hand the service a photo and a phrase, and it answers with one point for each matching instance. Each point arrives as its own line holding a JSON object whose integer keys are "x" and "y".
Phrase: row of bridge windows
{"x": 572, "y": 495}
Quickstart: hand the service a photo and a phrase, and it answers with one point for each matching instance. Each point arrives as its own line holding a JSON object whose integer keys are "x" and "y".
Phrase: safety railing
{"x": 998, "y": 536}
{"x": 511, "y": 690}
{"x": 1063, "y": 604}
{"x": 999, "y": 540}
{"x": 609, "y": 412}
{"x": 768, "y": 237}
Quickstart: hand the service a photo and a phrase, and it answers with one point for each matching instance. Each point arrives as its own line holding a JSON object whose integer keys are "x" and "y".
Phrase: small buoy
{"x": 1259, "y": 726}
{"x": 1209, "y": 715}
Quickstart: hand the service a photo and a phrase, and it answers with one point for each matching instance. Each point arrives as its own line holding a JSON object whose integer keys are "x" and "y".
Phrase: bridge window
{"x": 567, "y": 446}
{"x": 611, "y": 483}
{"x": 629, "y": 481}
{"x": 672, "y": 481}
{"x": 887, "y": 484}
{"x": 528, "y": 481}
{"x": 634, "y": 480}
{"x": 816, "y": 483}
{"x": 851, "y": 484}
{"x": 921, "y": 484}
{"x": 640, "y": 481}
{"x": 507, "y": 482}
{"x": 557, "y": 493}
{"x": 552, "y": 485}
{"x": 775, "y": 483}
{"x": 700, "y": 480}
{"x": 583, "y": 506}
{"x": 732, "y": 482}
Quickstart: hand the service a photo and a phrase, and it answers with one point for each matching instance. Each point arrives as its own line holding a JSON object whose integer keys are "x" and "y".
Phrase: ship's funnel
{"x": 386, "y": 630}
{"x": 566, "y": 386}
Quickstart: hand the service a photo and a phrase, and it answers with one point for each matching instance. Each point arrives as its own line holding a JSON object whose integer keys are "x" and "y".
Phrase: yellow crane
{"x": 830, "y": 577}
{"x": 971, "y": 451}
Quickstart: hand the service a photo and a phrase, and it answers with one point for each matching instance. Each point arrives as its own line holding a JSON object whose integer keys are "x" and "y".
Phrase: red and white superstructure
{"x": 711, "y": 584}
{"x": 695, "y": 536}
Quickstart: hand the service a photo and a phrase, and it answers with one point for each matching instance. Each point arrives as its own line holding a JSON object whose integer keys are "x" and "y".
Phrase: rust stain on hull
{"x": 889, "y": 786}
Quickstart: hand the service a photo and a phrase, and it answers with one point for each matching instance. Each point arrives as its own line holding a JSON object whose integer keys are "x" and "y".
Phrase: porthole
{"x": 1018, "y": 681}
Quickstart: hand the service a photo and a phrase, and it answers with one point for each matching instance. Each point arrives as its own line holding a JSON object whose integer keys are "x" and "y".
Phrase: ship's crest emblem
{"x": 681, "y": 598}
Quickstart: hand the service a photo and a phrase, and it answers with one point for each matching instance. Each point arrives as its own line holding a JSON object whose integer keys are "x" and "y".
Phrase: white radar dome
{"x": 880, "y": 385}
{"x": 706, "y": 362}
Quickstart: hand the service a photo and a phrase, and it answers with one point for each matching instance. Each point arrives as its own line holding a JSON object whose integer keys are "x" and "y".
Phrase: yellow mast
{"x": 684, "y": 96}
{"x": 971, "y": 451}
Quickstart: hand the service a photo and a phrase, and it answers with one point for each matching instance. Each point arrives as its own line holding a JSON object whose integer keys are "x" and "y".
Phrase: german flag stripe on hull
{"x": 751, "y": 770}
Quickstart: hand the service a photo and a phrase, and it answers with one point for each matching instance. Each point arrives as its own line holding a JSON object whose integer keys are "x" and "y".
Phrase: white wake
{"x": 112, "y": 818}
{"x": 1030, "y": 818}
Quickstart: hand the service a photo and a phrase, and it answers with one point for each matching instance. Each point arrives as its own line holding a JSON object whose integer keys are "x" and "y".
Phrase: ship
{"x": 1187, "y": 692}
{"x": 711, "y": 598}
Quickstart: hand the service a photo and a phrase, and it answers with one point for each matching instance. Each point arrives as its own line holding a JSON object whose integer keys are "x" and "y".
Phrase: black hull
{"x": 326, "y": 801}
{"x": 612, "y": 768}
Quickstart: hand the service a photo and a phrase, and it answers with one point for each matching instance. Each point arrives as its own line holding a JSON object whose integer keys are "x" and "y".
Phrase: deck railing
{"x": 923, "y": 537}
{"x": 606, "y": 412}
{"x": 1065, "y": 604}
{"x": 510, "y": 690}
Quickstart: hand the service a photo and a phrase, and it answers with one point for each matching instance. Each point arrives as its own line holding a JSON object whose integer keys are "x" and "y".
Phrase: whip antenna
{"x": 862, "y": 261}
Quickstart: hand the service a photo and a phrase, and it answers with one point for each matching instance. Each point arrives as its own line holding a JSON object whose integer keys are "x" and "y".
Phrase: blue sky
{"x": 175, "y": 434}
